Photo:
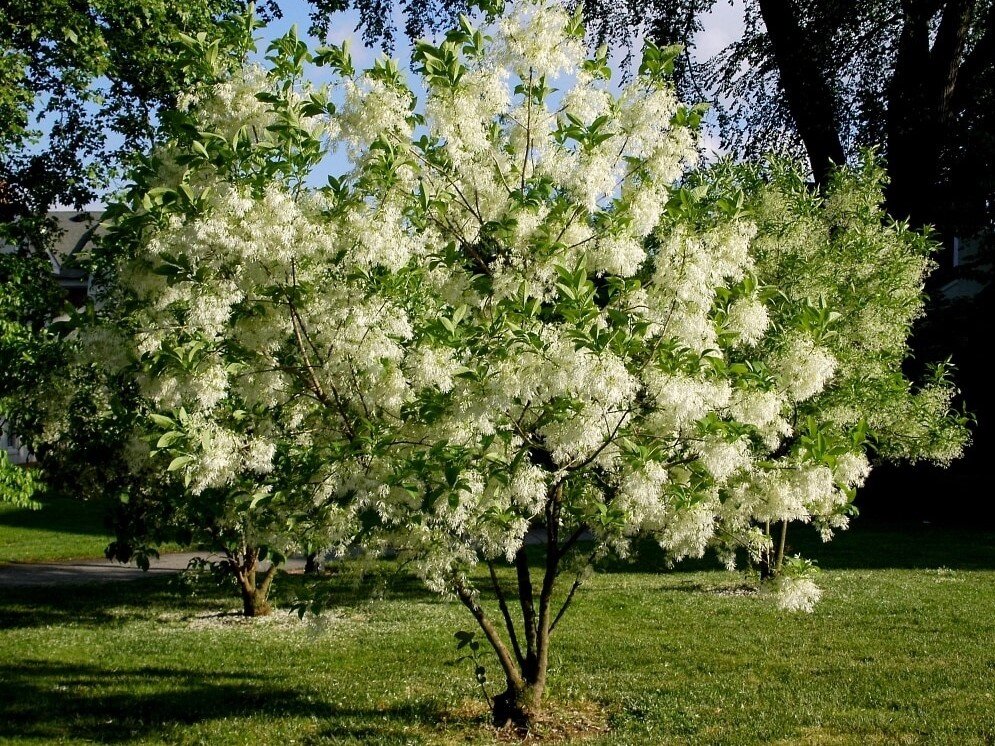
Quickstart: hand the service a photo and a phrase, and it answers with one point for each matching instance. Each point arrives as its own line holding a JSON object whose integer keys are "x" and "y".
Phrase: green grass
{"x": 63, "y": 529}
{"x": 901, "y": 650}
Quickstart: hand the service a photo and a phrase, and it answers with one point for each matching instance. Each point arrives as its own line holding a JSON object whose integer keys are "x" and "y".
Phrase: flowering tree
{"x": 518, "y": 319}
{"x": 190, "y": 288}
{"x": 852, "y": 280}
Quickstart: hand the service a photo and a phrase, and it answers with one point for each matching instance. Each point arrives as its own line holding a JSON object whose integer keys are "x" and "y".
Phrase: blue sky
{"x": 721, "y": 27}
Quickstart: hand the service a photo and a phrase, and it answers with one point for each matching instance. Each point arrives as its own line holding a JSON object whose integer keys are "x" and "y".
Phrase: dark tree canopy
{"x": 92, "y": 77}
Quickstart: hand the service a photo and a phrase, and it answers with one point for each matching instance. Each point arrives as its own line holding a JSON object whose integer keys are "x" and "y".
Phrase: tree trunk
{"x": 254, "y": 589}
{"x": 806, "y": 87}
{"x": 311, "y": 564}
{"x": 517, "y": 706}
{"x": 255, "y": 603}
{"x": 525, "y": 669}
{"x": 919, "y": 105}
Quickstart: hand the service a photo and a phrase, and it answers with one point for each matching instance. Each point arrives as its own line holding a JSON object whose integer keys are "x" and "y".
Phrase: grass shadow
{"x": 50, "y": 701}
{"x": 117, "y": 602}
{"x": 97, "y": 604}
{"x": 47, "y": 701}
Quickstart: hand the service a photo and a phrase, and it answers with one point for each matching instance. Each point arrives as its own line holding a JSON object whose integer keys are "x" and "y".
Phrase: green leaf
{"x": 162, "y": 421}
{"x": 179, "y": 462}
{"x": 168, "y": 439}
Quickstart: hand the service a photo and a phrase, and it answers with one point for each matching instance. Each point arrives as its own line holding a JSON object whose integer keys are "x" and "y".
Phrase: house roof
{"x": 77, "y": 230}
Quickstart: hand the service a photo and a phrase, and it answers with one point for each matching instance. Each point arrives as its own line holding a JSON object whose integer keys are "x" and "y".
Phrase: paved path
{"x": 80, "y": 572}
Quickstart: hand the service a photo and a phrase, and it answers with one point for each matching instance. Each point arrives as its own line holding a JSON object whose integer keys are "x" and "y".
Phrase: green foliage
{"x": 18, "y": 485}
{"x": 99, "y": 74}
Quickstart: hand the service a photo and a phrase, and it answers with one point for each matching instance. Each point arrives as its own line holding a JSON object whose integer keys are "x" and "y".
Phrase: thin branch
{"x": 573, "y": 539}
{"x": 511, "y": 671}
{"x": 608, "y": 441}
{"x": 578, "y": 581}
{"x": 508, "y": 622}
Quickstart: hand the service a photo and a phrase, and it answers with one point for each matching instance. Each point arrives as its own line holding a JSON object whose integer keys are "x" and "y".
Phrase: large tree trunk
{"x": 806, "y": 87}
{"x": 919, "y": 105}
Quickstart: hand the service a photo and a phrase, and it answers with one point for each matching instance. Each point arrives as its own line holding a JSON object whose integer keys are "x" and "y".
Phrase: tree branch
{"x": 947, "y": 52}
{"x": 511, "y": 671}
{"x": 573, "y": 539}
{"x": 578, "y": 581}
{"x": 979, "y": 59}
{"x": 508, "y": 622}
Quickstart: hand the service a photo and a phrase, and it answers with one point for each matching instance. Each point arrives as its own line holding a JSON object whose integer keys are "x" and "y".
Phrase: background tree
{"x": 95, "y": 76}
{"x": 81, "y": 88}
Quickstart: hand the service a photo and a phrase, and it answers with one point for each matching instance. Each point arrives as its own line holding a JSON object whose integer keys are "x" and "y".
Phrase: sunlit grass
{"x": 901, "y": 650}
{"x": 63, "y": 529}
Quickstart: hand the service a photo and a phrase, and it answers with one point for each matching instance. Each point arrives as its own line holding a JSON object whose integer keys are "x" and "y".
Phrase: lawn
{"x": 63, "y": 529}
{"x": 901, "y": 650}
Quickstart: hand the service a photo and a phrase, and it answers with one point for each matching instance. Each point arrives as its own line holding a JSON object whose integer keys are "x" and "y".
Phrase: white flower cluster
{"x": 797, "y": 594}
{"x": 532, "y": 38}
{"x": 681, "y": 400}
{"x": 230, "y": 105}
{"x": 688, "y": 271}
{"x": 372, "y": 109}
{"x": 804, "y": 368}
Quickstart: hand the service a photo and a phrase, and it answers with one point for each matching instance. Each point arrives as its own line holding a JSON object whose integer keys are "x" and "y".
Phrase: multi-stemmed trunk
{"x": 524, "y": 658}
{"x": 253, "y": 585}
{"x": 772, "y": 560}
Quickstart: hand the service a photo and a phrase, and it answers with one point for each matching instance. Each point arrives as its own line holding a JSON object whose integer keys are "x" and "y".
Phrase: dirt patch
{"x": 574, "y": 721}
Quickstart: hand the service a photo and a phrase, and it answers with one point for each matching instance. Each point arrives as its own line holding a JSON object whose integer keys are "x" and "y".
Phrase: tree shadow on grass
{"x": 864, "y": 547}
{"x": 118, "y": 602}
{"x": 95, "y": 604}
{"x": 48, "y": 701}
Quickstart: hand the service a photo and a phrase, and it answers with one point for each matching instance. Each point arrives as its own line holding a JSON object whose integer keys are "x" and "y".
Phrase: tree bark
{"x": 806, "y": 87}
{"x": 253, "y": 588}
{"x": 311, "y": 564}
{"x": 972, "y": 70}
{"x": 255, "y": 603}
{"x": 922, "y": 90}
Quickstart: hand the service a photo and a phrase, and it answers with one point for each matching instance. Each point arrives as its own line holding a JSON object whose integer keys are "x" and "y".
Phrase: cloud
{"x": 722, "y": 26}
